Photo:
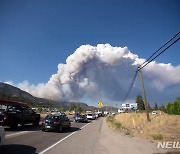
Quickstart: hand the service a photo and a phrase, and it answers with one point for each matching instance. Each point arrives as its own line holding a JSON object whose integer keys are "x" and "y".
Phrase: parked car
{"x": 91, "y": 116}
{"x": 56, "y": 122}
{"x": 13, "y": 113}
{"x": 154, "y": 112}
{"x": 81, "y": 118}
{"x": 121, "y": 111}
{"x": 2, "y": 135}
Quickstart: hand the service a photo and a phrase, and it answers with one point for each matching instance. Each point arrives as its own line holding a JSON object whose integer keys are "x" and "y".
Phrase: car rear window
{"x": 50, "y": 117}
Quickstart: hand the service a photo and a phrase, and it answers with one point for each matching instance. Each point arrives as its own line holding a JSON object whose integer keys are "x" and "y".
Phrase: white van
{"x": 91, "y": 116}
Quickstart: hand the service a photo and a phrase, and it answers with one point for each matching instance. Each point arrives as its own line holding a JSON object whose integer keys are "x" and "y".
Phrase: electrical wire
{"x": 131, "y": 85}
{"x": 150, "y": 60}
{"x": 161, "y": 48}
{"x": 158, "y": 54}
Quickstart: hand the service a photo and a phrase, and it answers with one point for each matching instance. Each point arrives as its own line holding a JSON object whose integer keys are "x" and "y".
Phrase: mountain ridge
{"x": 14, "y": 93}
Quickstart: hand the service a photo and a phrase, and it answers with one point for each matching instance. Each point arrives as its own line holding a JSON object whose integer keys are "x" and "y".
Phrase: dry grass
{"x": 162, "y": 127}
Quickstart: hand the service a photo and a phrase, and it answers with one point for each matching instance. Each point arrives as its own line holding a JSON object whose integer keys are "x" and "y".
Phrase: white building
{"x": 129, "y": 106}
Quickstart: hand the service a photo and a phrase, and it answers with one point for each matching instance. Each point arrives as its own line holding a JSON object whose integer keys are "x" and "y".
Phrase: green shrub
{"x": 117, "y": 125}
{"x": 157, "y": 136}
{"x": 127, "y": 132}
{"x": 110, "y": 119}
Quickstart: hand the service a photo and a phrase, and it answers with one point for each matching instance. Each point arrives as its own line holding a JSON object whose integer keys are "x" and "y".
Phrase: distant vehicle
{"x": 121, "y": 111}
{"x": 91, "y": 116}
{"x": 129, "y": 106}
{"x": 56, "y": 122}
{"x": 2, "y": 135}
{"x": 13, "y": 113}
{"x": 88, "y": 112}
{"x": 100, "y": 114}
{"x": 154, "y": 112}
{"x": 76, "y": 115}
{"x": 96, "y": 115}
{"x": 113, "y": 113}
{"x": 106, "y": 113}
{"x": 81, "y": 118}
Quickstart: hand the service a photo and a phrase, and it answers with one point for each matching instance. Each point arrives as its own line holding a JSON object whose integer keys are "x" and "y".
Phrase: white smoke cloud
{"x": 103, "y": 72}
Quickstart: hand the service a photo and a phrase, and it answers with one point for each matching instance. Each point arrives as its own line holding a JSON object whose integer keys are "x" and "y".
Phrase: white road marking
{"x": 23, "y": 132}
{"x": 61, "y": 140}
{"x": 17, "y": 133}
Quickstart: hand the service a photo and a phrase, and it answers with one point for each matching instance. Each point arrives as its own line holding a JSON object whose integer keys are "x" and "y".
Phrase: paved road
{"x": 30, "y": 139}
{"x": 83, "y": 138}
{"x": 98, "y": 138}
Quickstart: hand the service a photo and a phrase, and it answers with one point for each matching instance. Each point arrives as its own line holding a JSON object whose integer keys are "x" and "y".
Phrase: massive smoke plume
{"x": 104, "y": 72}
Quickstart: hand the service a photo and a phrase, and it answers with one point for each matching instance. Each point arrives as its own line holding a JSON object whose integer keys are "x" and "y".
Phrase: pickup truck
{"x": 13, "y": 113}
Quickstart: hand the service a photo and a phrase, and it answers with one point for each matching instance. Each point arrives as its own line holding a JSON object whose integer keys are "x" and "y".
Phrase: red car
{"x": 81, "y": 118}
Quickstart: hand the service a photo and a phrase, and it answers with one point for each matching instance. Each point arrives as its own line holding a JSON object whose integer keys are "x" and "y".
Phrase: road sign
{"x": 100, "y": 104}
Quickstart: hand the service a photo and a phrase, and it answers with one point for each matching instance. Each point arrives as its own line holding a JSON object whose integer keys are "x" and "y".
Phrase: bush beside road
{"x": 162, "y": 127}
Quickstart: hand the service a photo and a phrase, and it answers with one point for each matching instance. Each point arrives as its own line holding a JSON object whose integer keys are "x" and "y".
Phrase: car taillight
{"x": 5, "y": 116}
{"x": 43, "y": 121}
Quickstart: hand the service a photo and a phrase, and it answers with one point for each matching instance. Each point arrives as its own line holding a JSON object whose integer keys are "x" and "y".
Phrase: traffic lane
{"x": 36, "y": 140}
{"x": 83, "y": 141}
{"x": 22, "y": 129}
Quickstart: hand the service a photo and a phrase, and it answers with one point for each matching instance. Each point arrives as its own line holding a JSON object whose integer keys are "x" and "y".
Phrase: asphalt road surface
{"x": 94, "y": 137}
{"x": 30, "y": 139}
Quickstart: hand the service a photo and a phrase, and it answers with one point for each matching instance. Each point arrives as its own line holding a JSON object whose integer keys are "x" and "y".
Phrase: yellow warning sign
{"x": 100, "y": 104}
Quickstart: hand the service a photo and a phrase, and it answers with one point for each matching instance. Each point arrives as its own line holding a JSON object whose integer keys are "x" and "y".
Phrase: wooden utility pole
{"x": 144, "y": 94}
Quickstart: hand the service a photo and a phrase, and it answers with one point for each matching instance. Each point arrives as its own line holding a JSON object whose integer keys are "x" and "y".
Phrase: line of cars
{"x": 58, "y": 121}
{"x": 88, "y": 116}
{"x": 13, "y": 113}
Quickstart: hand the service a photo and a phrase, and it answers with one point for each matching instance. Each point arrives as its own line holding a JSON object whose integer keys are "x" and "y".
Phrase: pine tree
{"x": 168, "y": 106}
{"x": 140, "y": 102}
{"x": 149, "y": 107}
{"x": 177, "y": 107}
{"x": 162, "y": 108}
{"x": 155, "y": 106}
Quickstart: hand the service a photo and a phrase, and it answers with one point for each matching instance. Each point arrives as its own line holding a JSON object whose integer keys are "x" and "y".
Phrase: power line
{"x": 147, "y": 61}
{"x": 161, "y": 48}
{"x": 131, "y": 85}
{"x": 158, "y": 54}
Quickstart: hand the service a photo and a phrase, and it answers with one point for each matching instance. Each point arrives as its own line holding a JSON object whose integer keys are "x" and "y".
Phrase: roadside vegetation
{"x": 116, "y": 125}
{"x": 173, "y": 108}
{"x": 163, "y": 127}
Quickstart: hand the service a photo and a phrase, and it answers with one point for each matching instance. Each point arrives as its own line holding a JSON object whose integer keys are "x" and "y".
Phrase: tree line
{"x": 76, "y": 108}
{"x": 170, "y": 108}
{"x": 141, "y": 106}
{"x": 173, "y": 108}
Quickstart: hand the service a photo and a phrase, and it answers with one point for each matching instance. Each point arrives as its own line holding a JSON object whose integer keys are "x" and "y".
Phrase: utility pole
{"x": 144, "y": 94}
{"x": 116, "y": 108}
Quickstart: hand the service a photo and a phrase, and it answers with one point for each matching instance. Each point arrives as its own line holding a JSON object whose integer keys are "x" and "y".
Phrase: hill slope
{"x": 13, "y": 93}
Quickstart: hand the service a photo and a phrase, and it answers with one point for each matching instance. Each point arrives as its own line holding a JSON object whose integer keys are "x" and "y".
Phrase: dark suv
{"x": 13, "y": 113}
{"x": 56, "y": 122}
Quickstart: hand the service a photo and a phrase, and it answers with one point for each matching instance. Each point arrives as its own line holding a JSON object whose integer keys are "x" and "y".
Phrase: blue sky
{"x": 35, "y": 36}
